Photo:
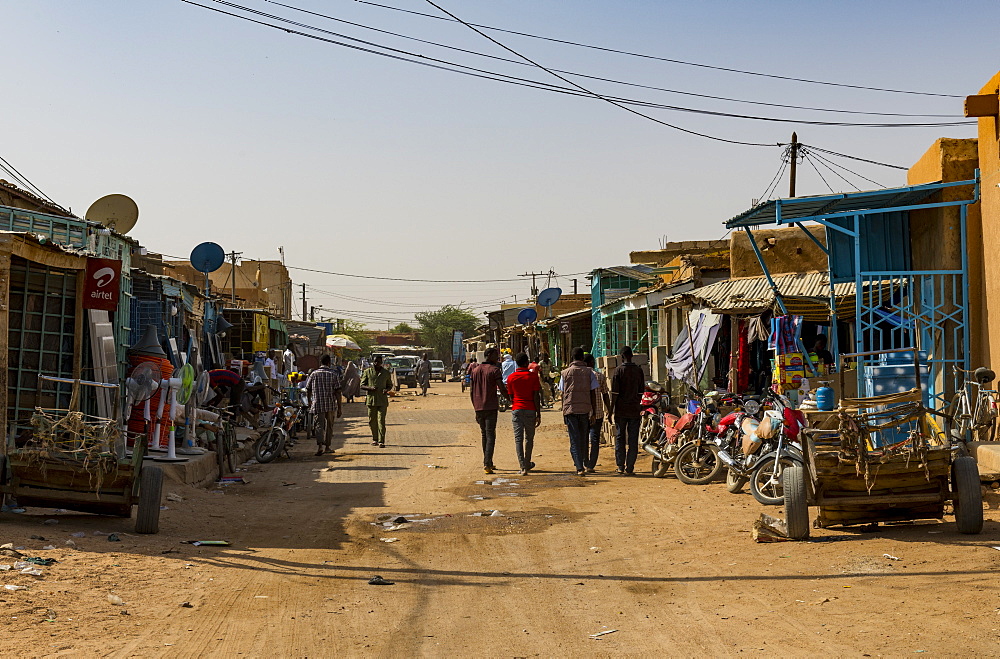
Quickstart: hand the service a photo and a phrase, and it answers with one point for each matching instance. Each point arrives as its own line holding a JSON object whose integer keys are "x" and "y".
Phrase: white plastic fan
{"x": 141, "y": 384}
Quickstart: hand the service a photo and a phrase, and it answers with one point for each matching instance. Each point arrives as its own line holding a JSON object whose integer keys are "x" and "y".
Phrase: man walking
{"x": 579, "y": 400}
{"x": 487, "y": 381}
{"x": 507, "y": 367}
{"x": 526, "y": 410}
{"x": 626, "y": 395}
{"x": 603, "y": 401}
{"x": 377, "y": 382}
{"x": 323, "y": 386}
{"x": 423, "y": 373}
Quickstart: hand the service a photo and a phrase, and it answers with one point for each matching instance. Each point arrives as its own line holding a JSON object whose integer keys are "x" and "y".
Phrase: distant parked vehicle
{"x": 438, "y": 371}
{"x": 404, "y": 370}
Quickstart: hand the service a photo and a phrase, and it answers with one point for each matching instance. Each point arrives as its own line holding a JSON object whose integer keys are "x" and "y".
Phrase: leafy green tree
{"x": 402, "y": 328}
{"x": 436, "y": 327}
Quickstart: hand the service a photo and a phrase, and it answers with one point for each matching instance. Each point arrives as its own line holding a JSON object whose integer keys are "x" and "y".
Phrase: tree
{"x": 402, "y": 328}
{"x": 436, "y": 327}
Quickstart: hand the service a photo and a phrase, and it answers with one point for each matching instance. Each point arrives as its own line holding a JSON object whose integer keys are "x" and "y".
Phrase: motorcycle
{"x": 757, "y": 447}
{"x": 280, "y": 435}
{"x": 697, "y": 462}
{"x": 765, "y": 481}
{"x": 661, "y": 431}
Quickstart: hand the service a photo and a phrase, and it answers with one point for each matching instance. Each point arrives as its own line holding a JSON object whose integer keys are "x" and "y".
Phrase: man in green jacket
{"x": 377, "y": 382}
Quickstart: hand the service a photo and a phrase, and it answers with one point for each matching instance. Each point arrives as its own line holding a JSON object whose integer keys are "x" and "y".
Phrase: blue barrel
{"x": 825, "y": 398}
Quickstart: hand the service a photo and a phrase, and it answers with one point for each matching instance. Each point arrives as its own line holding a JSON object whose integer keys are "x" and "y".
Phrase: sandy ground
{"x": 671, "y": 568}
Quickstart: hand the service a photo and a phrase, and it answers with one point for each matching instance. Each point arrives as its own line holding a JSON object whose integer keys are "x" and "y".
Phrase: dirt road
{"x": 671, "y": 568}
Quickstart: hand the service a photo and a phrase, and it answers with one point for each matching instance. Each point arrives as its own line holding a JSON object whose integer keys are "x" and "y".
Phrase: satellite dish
{"x": 527, "y": 316}
{"x": 549, "y": 296}
{"x": 115, "y": 211}
{"x": 208, "y": 257}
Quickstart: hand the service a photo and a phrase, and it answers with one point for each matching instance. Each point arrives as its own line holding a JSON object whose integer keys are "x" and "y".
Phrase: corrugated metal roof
{"x": 808, "y": 293}
{"x": 636, "y": 271}
{"x": 801, "y": 209}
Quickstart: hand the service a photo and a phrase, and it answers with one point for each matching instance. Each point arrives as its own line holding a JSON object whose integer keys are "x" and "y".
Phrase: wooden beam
{"x": 982, "y": 105}
{"x": 4, "y": 335}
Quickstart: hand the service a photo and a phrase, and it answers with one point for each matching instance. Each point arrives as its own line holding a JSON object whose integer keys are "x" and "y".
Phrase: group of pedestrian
{"x": 587, "y": 400}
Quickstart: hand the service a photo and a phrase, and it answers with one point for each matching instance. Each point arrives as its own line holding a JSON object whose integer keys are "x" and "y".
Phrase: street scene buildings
{"x": 771, "y": 430}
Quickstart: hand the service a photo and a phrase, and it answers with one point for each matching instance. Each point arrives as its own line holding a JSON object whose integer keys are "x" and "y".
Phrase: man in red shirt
{"x": 526, "y": 410}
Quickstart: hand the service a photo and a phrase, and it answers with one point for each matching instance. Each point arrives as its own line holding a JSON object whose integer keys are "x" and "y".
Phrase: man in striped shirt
{"x": 323, "y": 386}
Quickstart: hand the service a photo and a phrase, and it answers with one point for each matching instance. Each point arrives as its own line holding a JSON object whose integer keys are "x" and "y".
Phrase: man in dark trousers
{"x": 487, "y": 381}
{"x": 323, "y": 386}
{"x": 578, "y": 384}
{"x": 627, "y": 385}
{"x": 526, "y": 410}
{"x": 376, "y": 383}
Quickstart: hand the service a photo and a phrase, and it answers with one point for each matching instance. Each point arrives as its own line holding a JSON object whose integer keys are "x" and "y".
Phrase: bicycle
{"x": 225, "y": 443}
{"x": 974, "y": 415}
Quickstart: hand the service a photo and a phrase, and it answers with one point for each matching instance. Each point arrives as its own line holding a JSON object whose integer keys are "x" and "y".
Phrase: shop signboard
{"x": 260, "y": 332}
{"x": 102, "y": 284}
{"x": 456, "y": 345}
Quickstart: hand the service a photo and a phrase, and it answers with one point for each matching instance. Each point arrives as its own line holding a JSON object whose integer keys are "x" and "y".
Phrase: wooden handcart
{"x": 881, "y": 459}
{"x": 78, "y": 462}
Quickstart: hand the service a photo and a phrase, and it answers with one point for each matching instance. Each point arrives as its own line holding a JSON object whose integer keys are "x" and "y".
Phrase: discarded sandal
{"x": 379, "y": 581}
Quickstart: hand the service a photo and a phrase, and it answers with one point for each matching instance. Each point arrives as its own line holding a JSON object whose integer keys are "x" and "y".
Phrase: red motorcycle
{"x": 697, "y": 462}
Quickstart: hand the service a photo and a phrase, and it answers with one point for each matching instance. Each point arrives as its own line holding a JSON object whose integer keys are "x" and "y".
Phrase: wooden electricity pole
{"x": 794, "y": 155}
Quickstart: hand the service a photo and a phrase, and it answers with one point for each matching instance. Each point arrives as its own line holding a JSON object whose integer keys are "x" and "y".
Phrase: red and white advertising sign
{"x": 102, "y": 285}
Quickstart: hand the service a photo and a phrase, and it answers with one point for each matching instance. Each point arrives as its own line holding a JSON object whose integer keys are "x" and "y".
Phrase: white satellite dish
{"x": 115, "y": 211}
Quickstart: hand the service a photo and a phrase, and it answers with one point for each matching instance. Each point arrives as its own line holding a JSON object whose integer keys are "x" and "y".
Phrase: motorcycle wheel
{"x": 734, "y": 483}
{"x": 659, "y": 469}
{"x": 763, "y": 489}
{"x": 697, "y": 465}
{"x": 269, "y": 446}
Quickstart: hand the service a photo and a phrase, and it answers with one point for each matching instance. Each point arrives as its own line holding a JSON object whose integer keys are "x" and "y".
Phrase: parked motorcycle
{"x": 765, "y": 481}
{"x": 279, "y": 436}
{"x": 757, "y": 447}
{"x": 665, "y": 433}
{"x": 697, "y": 461}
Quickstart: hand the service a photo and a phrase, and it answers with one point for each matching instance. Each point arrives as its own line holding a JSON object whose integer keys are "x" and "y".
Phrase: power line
{"x": 602, "y": 79}
{"x": 29, "y": 186}
{"x": 508, "y": 79}
{"x": 662, "y": 59}
{"x": 844, "y": 155}
{"x": 430, "y": 281}
{"x": 805, "y": 156}
{"x": 594, "y": 94}
{"x": 827, "y": 163}
{"x": 536, "y": 84}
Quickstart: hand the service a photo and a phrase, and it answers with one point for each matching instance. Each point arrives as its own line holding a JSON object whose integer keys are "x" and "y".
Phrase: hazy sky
{"x": 251, "y": 137}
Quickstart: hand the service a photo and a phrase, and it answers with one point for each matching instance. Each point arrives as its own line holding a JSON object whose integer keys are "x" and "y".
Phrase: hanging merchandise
{"x": 745, "y": 328}
{"x": 691, "y": 348}
{"x": 757, "y": 329}
{"x": 786, "y": 334}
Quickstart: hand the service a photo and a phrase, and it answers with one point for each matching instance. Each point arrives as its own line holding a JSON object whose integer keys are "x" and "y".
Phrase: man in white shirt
{"x": 288, "y": 359}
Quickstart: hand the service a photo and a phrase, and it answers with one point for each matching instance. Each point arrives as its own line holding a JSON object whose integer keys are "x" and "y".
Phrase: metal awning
{"x": 801, "y": 209}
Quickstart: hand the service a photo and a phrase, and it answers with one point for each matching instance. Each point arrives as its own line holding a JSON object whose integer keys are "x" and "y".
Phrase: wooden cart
{"x": 73, "y": 471}
{"x": 884, "y": 459}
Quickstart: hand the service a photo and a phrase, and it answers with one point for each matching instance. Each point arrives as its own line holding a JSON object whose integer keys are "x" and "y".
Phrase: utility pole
{"x": 794, "y": 155}
{"x": 312, "y": 314}
{"x": 232, "y": 258}
{"x": 574, "y": 287}
{"x": 303, "y": 301}
{"x": 534, "y": 289}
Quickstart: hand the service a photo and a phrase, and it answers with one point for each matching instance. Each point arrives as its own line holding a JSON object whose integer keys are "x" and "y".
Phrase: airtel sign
{"x": 102, "y": 285}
